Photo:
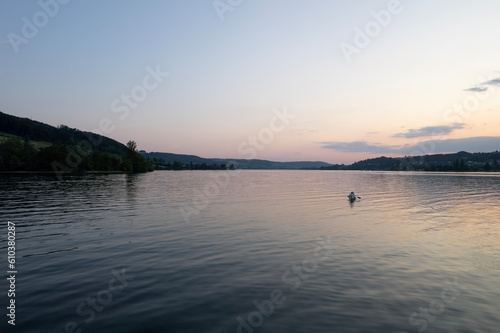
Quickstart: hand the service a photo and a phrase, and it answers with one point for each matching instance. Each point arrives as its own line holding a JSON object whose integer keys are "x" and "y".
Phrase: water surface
{"x": 209, "y": 251}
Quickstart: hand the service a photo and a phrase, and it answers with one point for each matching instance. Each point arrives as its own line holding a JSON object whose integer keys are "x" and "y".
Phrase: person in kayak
{"x": 352, "y": 196}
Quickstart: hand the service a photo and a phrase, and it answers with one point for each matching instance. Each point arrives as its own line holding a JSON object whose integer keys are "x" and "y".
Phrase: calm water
{"x": 254, "y": 251}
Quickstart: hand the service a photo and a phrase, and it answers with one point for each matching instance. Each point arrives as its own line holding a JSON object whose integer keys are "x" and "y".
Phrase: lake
{"x": 253, "y": 251}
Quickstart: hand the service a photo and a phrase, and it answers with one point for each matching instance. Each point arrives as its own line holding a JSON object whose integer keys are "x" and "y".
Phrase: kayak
{"x": 351, "y": 199}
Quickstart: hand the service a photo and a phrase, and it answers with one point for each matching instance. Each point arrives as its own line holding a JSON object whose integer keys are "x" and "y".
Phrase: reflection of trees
{"x": 131, "y": 181}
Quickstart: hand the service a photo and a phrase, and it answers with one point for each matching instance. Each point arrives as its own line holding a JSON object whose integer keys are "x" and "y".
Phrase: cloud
{"x": 493, "y": 82}
{"x": 483, "y": 86}
{"x": 472, "y": 145}
{"x": 478, "y": 89}
{"x": 429, "y": 131}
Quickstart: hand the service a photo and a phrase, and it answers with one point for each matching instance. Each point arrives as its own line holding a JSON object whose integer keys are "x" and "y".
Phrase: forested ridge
{"x": 28, "y": 145}
{"x": 461, "y": 162}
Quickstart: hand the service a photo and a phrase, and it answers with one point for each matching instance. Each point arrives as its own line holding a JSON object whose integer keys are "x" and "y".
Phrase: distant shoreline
{"x": 306, "y": 169}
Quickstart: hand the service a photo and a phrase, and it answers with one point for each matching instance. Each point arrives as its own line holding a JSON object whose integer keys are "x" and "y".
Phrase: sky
{"x": 286, "y": 80}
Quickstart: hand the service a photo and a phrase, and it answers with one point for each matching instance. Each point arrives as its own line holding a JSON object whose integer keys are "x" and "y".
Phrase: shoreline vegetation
{"x": 18, "y": 155}
{"x": 453, "y": 162}
{"x": 28, "y": 146}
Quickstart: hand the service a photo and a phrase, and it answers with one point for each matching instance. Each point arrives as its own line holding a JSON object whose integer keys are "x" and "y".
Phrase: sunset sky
{"x": 354, "y": 79}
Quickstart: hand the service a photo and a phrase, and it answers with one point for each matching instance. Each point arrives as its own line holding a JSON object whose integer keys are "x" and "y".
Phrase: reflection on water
{"x": 248, "y": 259}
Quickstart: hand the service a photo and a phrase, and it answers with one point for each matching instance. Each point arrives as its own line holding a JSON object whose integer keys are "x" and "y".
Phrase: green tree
{"x": 16, "y": 154}
{"x": 176, "y": 165}
{"x": 463, "y": 167}
{"x": 126, "y": 164}
{"x": 139, "y": 163}
{"x": 131, "y": 148}
{"x": 48, "y": 156}
{"x": 133, "y": 161}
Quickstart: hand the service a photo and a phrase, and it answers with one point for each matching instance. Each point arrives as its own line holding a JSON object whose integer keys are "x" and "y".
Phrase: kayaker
{"x": 352, "y": 196}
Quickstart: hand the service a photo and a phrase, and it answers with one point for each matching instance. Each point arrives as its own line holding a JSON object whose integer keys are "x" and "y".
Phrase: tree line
{"x": 28, "y": 130}
{"x": 21, "y": 155}
{"x": 160, "y": 164}
{"x": 461, "y": 162}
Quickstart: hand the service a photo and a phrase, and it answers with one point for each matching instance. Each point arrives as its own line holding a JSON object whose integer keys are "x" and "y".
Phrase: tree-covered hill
{"x": 196, "y": 162}
{"x": 34, "y": 130}
{"x": 28, "y": 145}
{"x": 461, "y": 161}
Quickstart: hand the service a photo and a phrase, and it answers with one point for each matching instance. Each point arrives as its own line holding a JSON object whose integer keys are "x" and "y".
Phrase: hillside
{"x": 461, "y": 161}
{"x": 166, "y": 158}
{"x": 264, "y": 164}
{"x": 33, "y": 130}
{"x": 29, "y": 145}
